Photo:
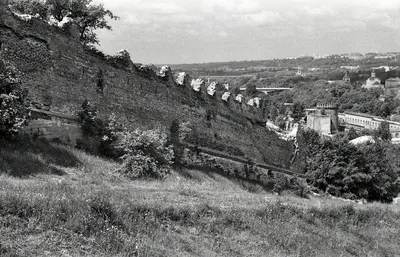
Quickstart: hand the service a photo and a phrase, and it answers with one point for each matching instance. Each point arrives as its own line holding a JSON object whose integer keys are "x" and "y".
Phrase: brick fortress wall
{"x": 54, "y": 126}
{"x": 59, "y": 75}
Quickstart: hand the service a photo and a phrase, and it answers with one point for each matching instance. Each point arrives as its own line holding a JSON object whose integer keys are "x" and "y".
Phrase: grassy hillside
{"x": 74, "y": 204}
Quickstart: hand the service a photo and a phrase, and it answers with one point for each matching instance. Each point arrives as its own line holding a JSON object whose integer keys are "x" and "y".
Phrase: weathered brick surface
{"x": 59, "y": 75}
{"x": 53, "y": 126}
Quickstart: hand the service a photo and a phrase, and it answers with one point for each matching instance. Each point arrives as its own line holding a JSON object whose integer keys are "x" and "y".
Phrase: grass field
{"x": 74, "y": 204}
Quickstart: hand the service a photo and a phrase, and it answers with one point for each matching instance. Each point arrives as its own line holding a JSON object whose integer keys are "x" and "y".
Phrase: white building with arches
{"x": 361, "y": 121}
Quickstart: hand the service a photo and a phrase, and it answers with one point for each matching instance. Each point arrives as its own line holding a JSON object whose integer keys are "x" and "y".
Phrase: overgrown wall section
{"x": 59, "y": 75}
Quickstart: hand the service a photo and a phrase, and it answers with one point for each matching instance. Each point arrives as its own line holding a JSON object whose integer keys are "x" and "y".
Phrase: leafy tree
{"x": 280, "y": 121}
{"x": 88, "y": 15}
{"x": 354, "y": 172}
{"x": 272, "y": 112}
{"x": 100, "y": 137}
{"x": 108, "y": 142}
{"x": 91, "y": 125}
{"x": 14, "y": 110}
{"x": 179, "y": 132}
{"x": 383, "y": 131}
{"x": 384, "y": 183}
{"x": 385, "y": 109}
{"x": 352, "y": 133}
{"x": 58, "y": 8}
{"x": 251, "y": 89}
{"x": 298, "y": 109}
{"x": 175, "y": 139}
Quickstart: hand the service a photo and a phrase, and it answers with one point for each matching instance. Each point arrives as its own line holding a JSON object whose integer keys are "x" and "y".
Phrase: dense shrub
{"x": 147, "y": 154}
{"x": 13, "y": 107}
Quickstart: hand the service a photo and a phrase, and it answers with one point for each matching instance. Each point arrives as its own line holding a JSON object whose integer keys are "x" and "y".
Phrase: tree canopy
{"x": 383, "y": 131}
{"x": 85, "y": 13}
{"x": 339, "y": 168}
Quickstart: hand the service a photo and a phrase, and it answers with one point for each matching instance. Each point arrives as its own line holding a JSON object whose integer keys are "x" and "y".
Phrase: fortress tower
{"x": 324, "y": 118}
{"x": 332, "y": 111}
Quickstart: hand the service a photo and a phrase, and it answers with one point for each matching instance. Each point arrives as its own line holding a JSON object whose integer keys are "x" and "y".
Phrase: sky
{"x": 196, "y": 31}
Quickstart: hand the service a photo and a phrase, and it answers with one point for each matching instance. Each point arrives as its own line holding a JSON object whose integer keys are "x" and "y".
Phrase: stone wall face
{"x": 59, "y": 74}
{"x": 54, "y": 127}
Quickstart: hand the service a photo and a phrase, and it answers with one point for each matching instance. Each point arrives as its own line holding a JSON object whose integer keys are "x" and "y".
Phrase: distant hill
{"x": 308, "y": 62}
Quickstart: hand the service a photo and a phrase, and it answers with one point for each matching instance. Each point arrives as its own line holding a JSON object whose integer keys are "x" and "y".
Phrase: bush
{"x": 14, "y": 110}
{"x": 146, "y": 154}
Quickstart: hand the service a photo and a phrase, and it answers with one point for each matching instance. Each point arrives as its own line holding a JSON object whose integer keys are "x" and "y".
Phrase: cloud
{"x": 348, "y": 25}
{"x": 160, "y": 20}
{"x": 223, "y": 34}
{"x": 259, "y": 18}
{"x": 231, "y": 6}
{"x": 253, "y": 13}
{"x": 319, "y": 11}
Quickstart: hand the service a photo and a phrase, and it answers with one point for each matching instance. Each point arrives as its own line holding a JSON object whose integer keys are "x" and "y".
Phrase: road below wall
{"x": 219, "y": 154}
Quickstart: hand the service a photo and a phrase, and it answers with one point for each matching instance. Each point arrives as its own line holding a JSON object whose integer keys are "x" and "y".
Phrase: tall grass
{"x": 92, "y": 211}
{"x": 24, "y": 157}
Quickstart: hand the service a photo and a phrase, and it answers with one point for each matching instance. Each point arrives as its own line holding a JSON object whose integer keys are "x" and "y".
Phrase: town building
{"x": 373, "y": 82}
{"x": 392, "y": 87}
{"x": 326, "y": 120}
{"x": 355, "y": 56}
{"x": 300, "y": 73}
{"x": 320, "y": 56}
{"x": 386, "y": 68}
{"x": 386, "y": 56}
{"x": 350, "y": 67}
{"x": 360, "y": 121}
{"x": 392, "y": 82}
